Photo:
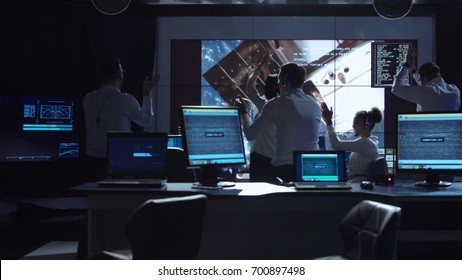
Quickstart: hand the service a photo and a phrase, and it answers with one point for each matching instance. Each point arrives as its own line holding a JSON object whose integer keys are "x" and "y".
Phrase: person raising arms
{"x": 432, "y": 94}
{"x": 296, "y": 117}
{"x": 263, "y": 147}
{"x": 364, "y": 150}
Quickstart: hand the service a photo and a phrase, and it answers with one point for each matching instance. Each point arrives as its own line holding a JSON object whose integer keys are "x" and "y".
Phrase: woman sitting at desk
{"x": 364, "y": 150}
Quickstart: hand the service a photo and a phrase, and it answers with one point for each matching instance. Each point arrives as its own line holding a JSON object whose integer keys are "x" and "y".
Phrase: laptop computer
{"x": 136, "y": 159}
{"x": 320, "y": 170}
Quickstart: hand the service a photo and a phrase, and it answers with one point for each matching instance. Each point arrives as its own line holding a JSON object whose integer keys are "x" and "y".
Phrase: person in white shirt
{"x": 364, "y": 150}
{"x": 109, "y": 109}
{"x": 296, "y": 117}
{"x": 433, "y": 94}
{"x": 263, "y": 147}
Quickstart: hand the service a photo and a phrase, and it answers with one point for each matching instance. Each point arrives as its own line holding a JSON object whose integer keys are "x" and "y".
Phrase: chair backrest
{"x": 378, "y": 167}
{"x": 167, "y": 228}
{"x": 370, "y": 230}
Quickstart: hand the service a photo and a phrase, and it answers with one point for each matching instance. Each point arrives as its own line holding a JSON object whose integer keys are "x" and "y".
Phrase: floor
{"x": 31, "y": 229}
{"x": 55, "y": 228}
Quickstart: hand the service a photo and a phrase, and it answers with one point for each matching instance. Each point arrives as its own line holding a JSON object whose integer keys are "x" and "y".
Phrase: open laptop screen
{"x": 320, "y": 166}
{"x": 137, "y": 155}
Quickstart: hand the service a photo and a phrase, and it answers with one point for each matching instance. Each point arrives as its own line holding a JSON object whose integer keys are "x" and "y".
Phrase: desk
{"x": 264, "y": 221}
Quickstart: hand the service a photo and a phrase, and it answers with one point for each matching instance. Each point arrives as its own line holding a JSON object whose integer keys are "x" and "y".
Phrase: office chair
{"x": 167, "y": 229}
{"x": 163, "y": 229}
{"x": 369, "y": 232}
{"x": 378, "y": 168}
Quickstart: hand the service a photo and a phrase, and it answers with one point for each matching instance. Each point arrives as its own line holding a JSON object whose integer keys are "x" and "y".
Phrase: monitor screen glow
{"x": 40, "y": 128}
{"x": 429, "y": 143}
{"x": 212, "y": 138}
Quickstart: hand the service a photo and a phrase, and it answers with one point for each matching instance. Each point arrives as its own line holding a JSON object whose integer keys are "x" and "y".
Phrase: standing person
{"x": 296, "y": 117}
{"x": 364, "y": 150}
{"x": 109, "y": 109}
{"x": 263, "y": 147}
{"x": 432, "y": 93}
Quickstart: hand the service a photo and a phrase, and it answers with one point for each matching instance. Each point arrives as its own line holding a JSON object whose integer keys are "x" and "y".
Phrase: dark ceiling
{"x": 265, "y": 2}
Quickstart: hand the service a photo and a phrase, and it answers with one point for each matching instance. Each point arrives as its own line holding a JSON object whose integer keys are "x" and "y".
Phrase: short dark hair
{"x": 293, "y": 74}
{"x": 429, "y": 70}
{"x": 109, "y": 70}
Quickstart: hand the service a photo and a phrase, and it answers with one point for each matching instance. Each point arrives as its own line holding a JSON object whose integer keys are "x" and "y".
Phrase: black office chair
{"x": 167, "y": 229}
{"x": 369, "y": 232}
{"x": 377, "y": 169}
{"x": 163, "y": 229}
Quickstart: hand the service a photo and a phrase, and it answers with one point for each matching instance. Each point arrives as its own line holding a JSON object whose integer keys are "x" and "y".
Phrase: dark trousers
{"x": 259, "y": 169}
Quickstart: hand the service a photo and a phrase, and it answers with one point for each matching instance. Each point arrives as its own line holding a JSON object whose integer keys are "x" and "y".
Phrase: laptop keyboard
{"x": 138, "y": 181}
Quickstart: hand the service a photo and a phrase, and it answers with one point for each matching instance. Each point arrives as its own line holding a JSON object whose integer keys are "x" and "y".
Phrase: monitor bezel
{"x": 185, "y": 141}
{"x": 340, "y": 154}
{"x": 426, "y": 171}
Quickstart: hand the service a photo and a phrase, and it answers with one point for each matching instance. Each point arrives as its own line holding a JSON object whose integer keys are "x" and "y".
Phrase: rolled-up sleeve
{"x": 143, "y": 115}
{"x": 264, "y": 120}
{"x": 401, "y": 89}
{"x": 337, "y": 144}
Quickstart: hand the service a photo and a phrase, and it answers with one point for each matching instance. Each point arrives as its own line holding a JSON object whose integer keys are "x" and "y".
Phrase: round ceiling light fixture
{"x": 111, "y": 7}
{"x": 392, "y": 9}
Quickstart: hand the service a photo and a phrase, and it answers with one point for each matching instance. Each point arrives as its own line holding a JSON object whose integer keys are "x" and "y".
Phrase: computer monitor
{"x": 175, "y": 141}
{"x": 213, "y": 139}
{"x": 429, "y": 143}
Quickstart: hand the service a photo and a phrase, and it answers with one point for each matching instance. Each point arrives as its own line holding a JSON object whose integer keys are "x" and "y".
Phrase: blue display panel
{"x": 40, "y": 128}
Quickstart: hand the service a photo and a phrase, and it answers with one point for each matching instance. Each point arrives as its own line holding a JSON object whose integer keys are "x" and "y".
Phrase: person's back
{"x": 297, "y": 123}
{"x": 364, "y": 149}
{"x": 263, "y": 147}
{"x": 433, "y": 93}
{"x": 439, "y": 96}
{"x": 296, "y": 116}
{"x": 108, "y": 109}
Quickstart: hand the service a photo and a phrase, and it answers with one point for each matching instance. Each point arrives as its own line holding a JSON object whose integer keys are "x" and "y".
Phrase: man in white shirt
{"x": 296, "y": 116}
{"x": 109, "y": 109}
{"x": 433, "y": 93}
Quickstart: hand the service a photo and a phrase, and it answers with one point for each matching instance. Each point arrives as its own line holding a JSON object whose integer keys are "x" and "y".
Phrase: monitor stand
{"x": 433, "y": 180}
{"x": 210, "y": 179}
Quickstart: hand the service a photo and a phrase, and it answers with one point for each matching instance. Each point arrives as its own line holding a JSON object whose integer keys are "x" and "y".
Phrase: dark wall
{"x": 448, "y": 49}
{"x": 54, "y": 47}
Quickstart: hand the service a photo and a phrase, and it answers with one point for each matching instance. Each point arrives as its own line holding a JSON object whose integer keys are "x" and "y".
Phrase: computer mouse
{"x": 368, "y": 185}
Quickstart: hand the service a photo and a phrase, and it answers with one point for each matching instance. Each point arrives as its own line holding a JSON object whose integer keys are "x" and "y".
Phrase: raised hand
{"x": 243, "y": 104}
{"x": 149, "y": 84}
{"x": 326, "y": 113}
{"x": 411, "y": 57}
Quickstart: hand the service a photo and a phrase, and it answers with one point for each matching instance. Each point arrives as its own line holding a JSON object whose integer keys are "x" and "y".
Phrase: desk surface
{"x": 243, "y": 222}
{"x": 242, "y": 189}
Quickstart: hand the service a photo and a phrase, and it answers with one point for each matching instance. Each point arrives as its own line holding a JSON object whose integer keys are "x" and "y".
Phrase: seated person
{"x": 364, "y": 150}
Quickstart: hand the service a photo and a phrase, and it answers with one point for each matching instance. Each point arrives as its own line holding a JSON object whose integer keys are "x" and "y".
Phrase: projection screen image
{"x": 340, "y": 69}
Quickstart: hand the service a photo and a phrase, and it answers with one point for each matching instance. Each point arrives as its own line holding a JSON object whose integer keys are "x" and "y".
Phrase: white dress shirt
{"x": 437, "y": 95}
{"x": 265, "y": 143}
{"x": 364, "y": 150}
{"x": 109, "y": 109}
{"x": 297, "y": 118}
